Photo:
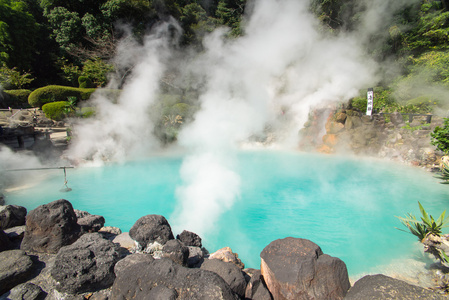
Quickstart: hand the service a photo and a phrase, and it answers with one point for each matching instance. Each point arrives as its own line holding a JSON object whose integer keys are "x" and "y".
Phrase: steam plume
{"x": 282, "y": 66}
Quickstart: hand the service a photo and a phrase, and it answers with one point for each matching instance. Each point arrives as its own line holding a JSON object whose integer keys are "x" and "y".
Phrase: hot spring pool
{"x": 347, "y": 206}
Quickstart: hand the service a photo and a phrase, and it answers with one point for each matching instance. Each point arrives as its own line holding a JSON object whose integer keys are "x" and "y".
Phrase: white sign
{"x": 370, "y": 99}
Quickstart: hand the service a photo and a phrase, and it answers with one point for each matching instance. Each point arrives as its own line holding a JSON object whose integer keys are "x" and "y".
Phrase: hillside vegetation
{"x": 72, "y": 43}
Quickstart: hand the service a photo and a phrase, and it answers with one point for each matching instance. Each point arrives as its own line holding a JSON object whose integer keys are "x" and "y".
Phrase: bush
{"x": 55, "y": 110}
{"x": 85, "y": 82}
{"x": 54, "y": 93}
{"x": 440, "y": 137}
{"x": 17, "y": 98}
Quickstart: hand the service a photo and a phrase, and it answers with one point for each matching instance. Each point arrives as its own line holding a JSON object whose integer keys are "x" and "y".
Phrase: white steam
{"x": 282, "y": 63}
{"x": 124, "y": 129}
{"x": 282, "y": 66}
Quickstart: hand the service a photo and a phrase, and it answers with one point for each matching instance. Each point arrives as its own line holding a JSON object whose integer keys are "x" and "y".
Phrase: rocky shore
{"x": 58, "y": 252}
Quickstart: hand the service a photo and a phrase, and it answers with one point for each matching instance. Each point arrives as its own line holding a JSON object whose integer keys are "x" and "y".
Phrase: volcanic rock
{"x": 25, "y": 291}
{"x": 383, "y": 287}
{"x": 176, "y": 251}
{"x": 86, "y": 265}
{"x": 196, "y": 257}
{"x": 256, "y": 288}
{"x": 11, "y": 216}
{"x": 50, "y": 227}
{"x": 189, "y": 239}
{"x": 225, "y": 254}
{"x": 295, "y": 268}
{"x": 132, "y": 260}
{"x": 89, "y": 222}
{"x": 5, "y": 243}
{"x": 229, "y": 272}
{"x": 138, "y": 281}
{"x": 151, "y": 228}
{"x": 15, "y": 268}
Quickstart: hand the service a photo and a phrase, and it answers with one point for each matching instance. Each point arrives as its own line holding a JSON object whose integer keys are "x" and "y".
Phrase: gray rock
{"x": 132, "y": 260}
{"x": 5, "y": 243}
{"x": 161, "y": 292}
{"x": 85, "y": 266}
{"x": 229, "y": 272}
{"x": 196, "y": 257}
{"x": 16, "y": 233}
{"x": 383, "y": 287}
{"x": 256, "y": 288}
{"x": 151, "y": 228}
{"x": 296, "y": 268}
{"x": 88, "y": 222}
{"x": 15, "y": 267}
{"x": 137, "y": 282}
{"x": 189, "y": 239}
{"x": 25, "y": 291}
{"x": 50, "y": 227}
{"x": 176, "y": 251}
{"x": 11, "y": 216}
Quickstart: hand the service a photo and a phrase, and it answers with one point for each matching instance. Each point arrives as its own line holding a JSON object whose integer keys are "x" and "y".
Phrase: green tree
{"x": 440, "y": 137}
{"x": 14, "y": 79}
{"x": 18, "y": 31}
{"x": 229, "y": 13}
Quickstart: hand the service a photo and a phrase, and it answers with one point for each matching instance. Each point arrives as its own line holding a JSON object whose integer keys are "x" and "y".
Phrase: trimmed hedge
{"x": 85, "y": 82}
{"x": 55, "y": 110}
{"x": 54, "y": 93}
{"x": 16, "y": 98}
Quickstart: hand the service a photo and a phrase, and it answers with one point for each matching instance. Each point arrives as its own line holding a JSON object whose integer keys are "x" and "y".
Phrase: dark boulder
{"x": 229, "y": 272}
{"x": 138, "y": 281}
{"x": 5, "y": 243}
{"x": 176, "y": 251}
{"x": 11, "y": 216}
{"x": 256, "y": 288}
{"x": 89, "y": 222}
{"x": 85, "y": 266}
{"x": 196, "y": 257}
{"x": 383, "y": 287}
{"x": 151, "y": 228}
{"x": 25, "y": 291}
{"x": 189, "y": 239}
{"x": 296, "y": 268}
{"x": 50, "y": 227}
{"x": 15, "y": 267}
{"x": 132, "y": 260}
{"x": 16, "y": 233}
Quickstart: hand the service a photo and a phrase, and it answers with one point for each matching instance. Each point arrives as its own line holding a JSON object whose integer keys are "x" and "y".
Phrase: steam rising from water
{"x": 272, "y": 76}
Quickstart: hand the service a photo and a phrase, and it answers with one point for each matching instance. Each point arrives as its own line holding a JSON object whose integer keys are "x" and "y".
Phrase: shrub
{"x": 17, "y": 98}
{"x": 440, "y": 137}
{"x": 55, "y": 110}
{"x": 53, "y": 93}
{"x": 85, "y": 82}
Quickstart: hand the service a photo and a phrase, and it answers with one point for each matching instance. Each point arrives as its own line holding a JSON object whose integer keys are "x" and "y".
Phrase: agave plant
{"x": 427, "y": 225}
{"x": 444, "y": 173}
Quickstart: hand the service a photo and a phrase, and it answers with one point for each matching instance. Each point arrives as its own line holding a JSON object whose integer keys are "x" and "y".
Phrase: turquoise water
{"x": 346, "y": 206}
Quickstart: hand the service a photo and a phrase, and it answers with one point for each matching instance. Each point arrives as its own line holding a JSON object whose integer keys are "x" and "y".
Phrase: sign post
{"x": 370, "y": 100}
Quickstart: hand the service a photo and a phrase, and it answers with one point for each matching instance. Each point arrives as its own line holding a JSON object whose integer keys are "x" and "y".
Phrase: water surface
{"x": 347, "y": 206}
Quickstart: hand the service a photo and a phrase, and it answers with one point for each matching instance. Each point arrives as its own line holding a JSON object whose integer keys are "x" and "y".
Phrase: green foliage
{"x": 14, "y": 79}
{"x": 97, "y": 71}
{"x": 17, "y": 98}
{"x": 229, "y": 13}
{"x": 440, "y": 137}
{"x": 55, "y": 110}
{"x": 53, "y": 93}
{"x": 382, "y": 99}
{"x": 444, "y": 173}
{"x": 18, "y": 33}
{"x": 427, "y": 225}
{"x": 84, "y": 82}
